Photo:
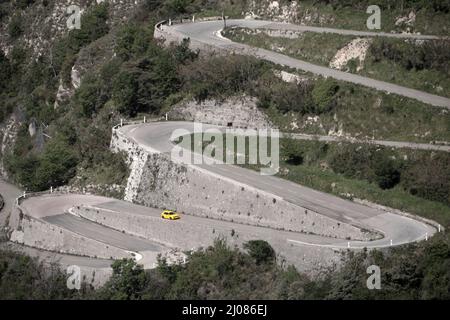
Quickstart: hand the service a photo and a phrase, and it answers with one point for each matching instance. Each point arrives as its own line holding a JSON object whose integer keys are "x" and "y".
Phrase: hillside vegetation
{"x": 418, "y": 271}
{"x": 125, "y": 73}
{"x": 422, "y": 65}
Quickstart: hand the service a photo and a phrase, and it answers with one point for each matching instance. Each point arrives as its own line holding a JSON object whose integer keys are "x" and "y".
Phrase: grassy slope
{"x": 361, "y": 112}
{"x": 355, "y": 18}
{"x": 321, "y": 48}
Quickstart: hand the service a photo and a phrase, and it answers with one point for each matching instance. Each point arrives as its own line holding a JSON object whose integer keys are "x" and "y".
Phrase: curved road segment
{"x": 209, "y": 33}
{"x": 397, "y": 229}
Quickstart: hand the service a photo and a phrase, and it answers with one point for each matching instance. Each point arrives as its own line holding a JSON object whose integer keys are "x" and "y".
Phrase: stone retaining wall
{"x": 39, "y": 234}
{"x": 187, "y": 236}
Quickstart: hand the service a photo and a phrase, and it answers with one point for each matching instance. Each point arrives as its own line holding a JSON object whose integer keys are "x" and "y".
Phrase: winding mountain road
{"x": 396, "y": 229}
{"x": 208, "y": 33}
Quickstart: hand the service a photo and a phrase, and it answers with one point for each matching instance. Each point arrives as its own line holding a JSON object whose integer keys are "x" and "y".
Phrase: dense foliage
{"x": 219, "y": 272}
{"x": 434, "y": 54}
{"x": 417, "y": 271}
{"x": 434, "y": 5}
{"x": 22, "y": 277}
{"x": 420, "y": 173}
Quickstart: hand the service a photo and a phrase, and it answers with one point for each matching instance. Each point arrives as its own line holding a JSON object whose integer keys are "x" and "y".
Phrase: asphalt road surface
{"x": 55, "y": 209}
{"x": 208, "y": 32}
{"x": 386, "y": 143}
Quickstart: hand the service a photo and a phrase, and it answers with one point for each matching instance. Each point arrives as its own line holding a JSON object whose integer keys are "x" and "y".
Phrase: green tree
{"x": 88, "y": 97}
{"x": 132, "y": 41}
{"x": 128, "y": 281}
{"x": 56, "y": 165}
{"x": 124, "y": 93}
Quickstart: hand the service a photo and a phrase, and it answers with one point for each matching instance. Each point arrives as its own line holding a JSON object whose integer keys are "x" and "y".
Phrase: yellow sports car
{"x": 170, "y": 215}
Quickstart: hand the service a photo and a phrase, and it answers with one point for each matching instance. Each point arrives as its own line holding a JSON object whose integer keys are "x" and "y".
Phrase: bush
{"x": 124, "y": 93}
{"x": 285, "y": 97}
{"x": 127, "y": 282}
{"x": 221, "y": 76}
{"x": 132, "y": 41}
{"x": 432, "y": 54}
{"x": 261, "y": 251}
{"x": 88, "y": 97}
{"x": 25, "y": 278}
{"x": 351, "y": 161}
{"x": 56, "y": 165}
{"x": 323, "y": 95}
{"x": 429, "y": 178}
{"x": 292, "y": 151}
{"x": 387, "y": 174}
{"x": 93, "y": 26}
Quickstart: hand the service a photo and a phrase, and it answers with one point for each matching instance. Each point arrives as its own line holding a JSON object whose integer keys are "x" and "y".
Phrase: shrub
{"x": 132, "y": 41}
{"x": 261, "y": 251}
{"x": 220, "y": 76}
{"x": 124, "y": 93}
{"x": 429, "y": 178}
{"x": 56, "y": 165}
{"x": 293, "y": 152}
{"x": 87, "y": 97}
{"x": 387, "y": 174}
{"x": 286, "y": 97}
{"x": 323, "y": 95}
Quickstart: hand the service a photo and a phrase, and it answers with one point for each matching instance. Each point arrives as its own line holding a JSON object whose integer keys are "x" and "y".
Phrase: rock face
{"x": 284, "y": 11}
{"x": 8, "y": 135}
{"x": 274, "y": 10}
{"x": 239, "y": 112}
{"x": 47, "y": 21}
{"x": 290, "y": 77}
{"x": 355, "y": 50}
{"x": 408, "y": 20}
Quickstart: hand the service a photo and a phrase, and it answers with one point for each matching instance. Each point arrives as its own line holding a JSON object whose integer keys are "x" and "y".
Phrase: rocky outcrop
{"x": 8, "y": 136}
{"x": 238, "y": 112}
{"x": 46, "y": 21}
{"x": 273, "y": 9}
{"x": 355, "y": 50}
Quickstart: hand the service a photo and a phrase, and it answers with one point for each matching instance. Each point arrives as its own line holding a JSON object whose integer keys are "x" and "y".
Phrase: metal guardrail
{"x": 188, "y": 20}
{"x": 27, "y": 195}
{"x": 132, "y": 122}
